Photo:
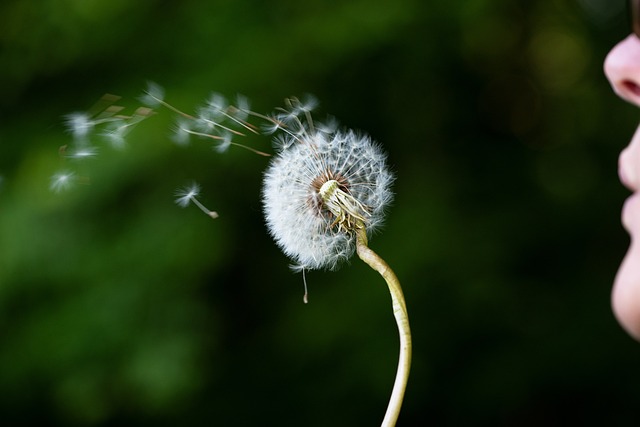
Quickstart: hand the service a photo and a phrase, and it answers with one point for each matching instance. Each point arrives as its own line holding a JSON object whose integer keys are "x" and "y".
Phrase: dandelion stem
{"x": 305, "y": 298}
{"x": 246, "y": 125}
{"x": 402, "y": 319}
{"x": 228, "y": 129}
{"x": 172, "y": 108}
{"x": 217, "y": 137}
{"x": 202, "y": 207}
{"x": 253, "y": 150}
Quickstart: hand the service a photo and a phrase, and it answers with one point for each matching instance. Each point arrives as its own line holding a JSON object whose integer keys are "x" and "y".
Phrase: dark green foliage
{"x": 119, "y": 308}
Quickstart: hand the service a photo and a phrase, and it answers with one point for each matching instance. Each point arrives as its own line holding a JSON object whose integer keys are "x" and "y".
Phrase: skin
{"x": 622, "y": 68}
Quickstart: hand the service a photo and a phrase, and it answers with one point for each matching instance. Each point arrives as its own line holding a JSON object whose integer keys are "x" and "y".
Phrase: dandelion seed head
{"x": 300, "y": 221}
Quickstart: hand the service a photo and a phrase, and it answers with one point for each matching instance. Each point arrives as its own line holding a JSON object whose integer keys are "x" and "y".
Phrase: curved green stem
{"x": 402, "y": 320}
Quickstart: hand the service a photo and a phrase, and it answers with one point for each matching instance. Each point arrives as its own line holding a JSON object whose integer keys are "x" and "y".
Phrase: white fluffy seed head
{"x": 297, "y": 217}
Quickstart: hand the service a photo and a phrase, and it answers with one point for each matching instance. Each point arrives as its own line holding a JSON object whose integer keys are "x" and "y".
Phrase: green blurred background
{"x": 119, "y": 308}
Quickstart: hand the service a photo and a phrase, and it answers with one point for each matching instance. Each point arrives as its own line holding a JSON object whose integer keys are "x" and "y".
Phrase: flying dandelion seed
{"x": 189, "y": 194}
{"x": 79, "y": 124}
{"x": 61, "y": 181}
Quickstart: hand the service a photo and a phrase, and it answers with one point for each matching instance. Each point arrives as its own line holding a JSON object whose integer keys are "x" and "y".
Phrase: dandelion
{"x": 318, "y": 191}
{"x": 323, "y": 195}
{"x": 188, "y": 194}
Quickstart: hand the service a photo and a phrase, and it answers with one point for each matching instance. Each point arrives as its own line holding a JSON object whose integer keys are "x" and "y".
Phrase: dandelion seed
{"x": 182, "y": 132}
{"x": 282, "y": 141}
{"x": 224, "y": 143}
{"x": 319, "y": 190}
{"x": 185, "y": 195}
{"x": 209, "y": 124}
{"x": 329, "y": 126}
{"x": 272, "y": 125}
{"x": 300, "y": 269}
{"x": 79, "y": 124}
{"x": 153, "y": 96}
{"x": 84, "y": 153}
{"x": 115, "y": 133}
{"x": 61, "y": 181}
{"x": 188, "y": 194}
{"x": 308, "y": 104}
{"x": 243, "y": 108}
{"x": 290, "y": 120}
{"x": 217, "y": 103}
